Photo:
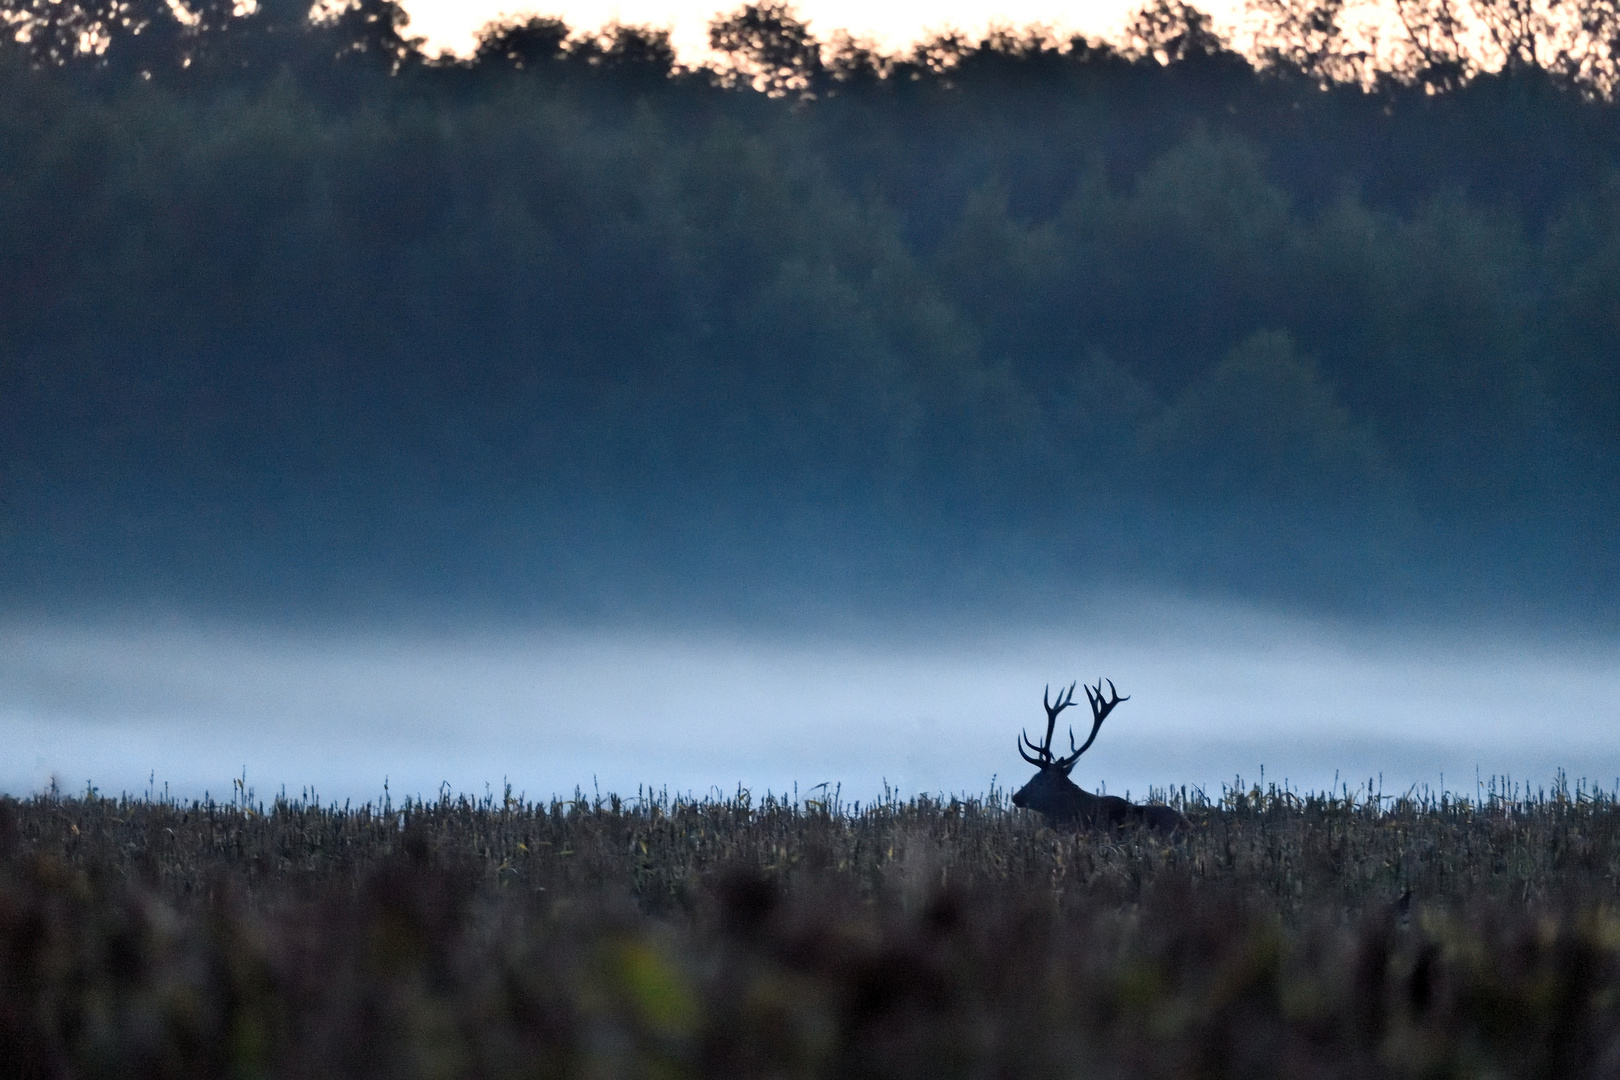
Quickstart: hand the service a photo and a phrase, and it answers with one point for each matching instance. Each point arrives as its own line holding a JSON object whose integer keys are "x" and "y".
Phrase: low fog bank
{"x": 1218, "y": 690}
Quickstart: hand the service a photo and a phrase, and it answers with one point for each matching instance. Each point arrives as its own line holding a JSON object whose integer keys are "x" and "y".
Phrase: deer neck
{"x": 1080, "y": 795}
{"x": 1074, "y": 801}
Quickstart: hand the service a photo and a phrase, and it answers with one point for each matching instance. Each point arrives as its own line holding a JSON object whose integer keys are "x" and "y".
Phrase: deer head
{"x": 1050, "y": 790}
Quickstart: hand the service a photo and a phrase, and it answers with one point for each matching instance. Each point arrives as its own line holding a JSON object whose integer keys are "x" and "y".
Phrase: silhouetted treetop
{"x": 535, "y": 40}
{"x": 1307, "y": 37}
{"x": 766, "y": 46}
{"x": 1437, "y": 46}
{"x": 122, "y": 39}
{"x": 1173, "y": 32}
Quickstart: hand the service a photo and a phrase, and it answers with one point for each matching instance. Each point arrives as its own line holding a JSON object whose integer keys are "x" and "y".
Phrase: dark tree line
{"x": 280, "y": 294}
{"x": 1436, "y": 44}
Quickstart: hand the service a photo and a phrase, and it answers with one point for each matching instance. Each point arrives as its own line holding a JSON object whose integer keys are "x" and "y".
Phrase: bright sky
{"x": 450, "y": 24}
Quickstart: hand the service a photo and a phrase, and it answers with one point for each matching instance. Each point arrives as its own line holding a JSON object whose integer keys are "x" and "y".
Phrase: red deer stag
{"x": 1052, "y": 792}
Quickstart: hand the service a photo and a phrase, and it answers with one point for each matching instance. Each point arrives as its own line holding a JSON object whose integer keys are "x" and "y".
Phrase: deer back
{"x": 1164, "y": 819}
{"x": 1063, "y": 802}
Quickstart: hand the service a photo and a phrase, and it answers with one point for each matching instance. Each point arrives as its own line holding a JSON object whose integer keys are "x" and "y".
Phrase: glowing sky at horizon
{"x": 451, "y": 24}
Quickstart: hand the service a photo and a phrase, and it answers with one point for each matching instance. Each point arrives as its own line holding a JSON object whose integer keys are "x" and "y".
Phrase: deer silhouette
{"x": 1051, "y": 792}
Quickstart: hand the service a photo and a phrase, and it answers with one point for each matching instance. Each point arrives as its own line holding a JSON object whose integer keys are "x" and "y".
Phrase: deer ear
{"x": 1069, "y": 768}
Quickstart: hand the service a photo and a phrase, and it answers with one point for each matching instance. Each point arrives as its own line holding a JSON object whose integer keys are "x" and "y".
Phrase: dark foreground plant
{"x": 1280, "y": 937}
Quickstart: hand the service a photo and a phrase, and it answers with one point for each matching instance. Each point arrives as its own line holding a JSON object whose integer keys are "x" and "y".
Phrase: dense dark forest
{"x": 292, "y": 313}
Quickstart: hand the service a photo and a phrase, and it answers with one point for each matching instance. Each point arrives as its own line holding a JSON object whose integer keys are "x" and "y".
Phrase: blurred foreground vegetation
{"x": 1285, "y": 936}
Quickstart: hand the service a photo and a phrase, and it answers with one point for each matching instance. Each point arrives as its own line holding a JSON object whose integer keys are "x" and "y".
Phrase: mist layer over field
{"x": 1215, "y": 691}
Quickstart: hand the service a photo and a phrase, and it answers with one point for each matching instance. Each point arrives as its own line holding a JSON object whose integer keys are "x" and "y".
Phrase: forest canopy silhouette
{"x": 292, "y": 312}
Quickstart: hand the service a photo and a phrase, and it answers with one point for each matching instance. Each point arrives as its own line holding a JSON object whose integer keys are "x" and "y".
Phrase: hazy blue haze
{"x": 1217, "y": 690}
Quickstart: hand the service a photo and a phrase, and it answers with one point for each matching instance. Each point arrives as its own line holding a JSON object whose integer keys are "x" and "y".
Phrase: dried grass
{"x": 1285, "y": 936}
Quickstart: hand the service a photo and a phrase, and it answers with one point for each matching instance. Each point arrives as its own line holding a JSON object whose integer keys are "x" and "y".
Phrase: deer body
{"x": 1065, "y": 803}
{"x": 1061, "y": 800}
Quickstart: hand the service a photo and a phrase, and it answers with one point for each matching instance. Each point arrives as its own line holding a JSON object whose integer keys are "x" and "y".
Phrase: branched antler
{"x": 1044, "y": 750}
{"x": 1100, "y": 708}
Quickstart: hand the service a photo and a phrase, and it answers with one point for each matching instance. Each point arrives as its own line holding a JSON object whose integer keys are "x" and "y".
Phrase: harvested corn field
{"x": 1284, "y": 936}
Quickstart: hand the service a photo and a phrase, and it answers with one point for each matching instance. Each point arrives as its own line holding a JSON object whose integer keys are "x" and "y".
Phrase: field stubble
{"x": 1286, "y": 935}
